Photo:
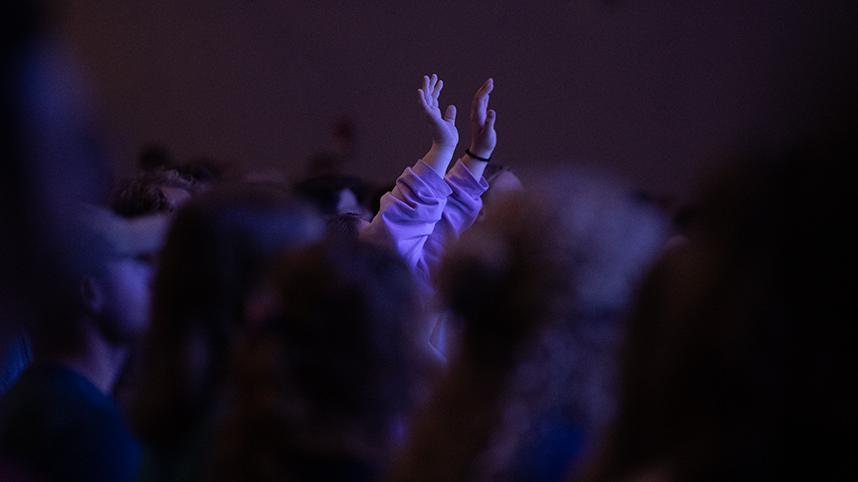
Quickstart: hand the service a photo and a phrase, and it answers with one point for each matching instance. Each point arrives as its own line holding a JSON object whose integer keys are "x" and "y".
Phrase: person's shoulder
{"x": 51, "y": 421}
{"x": 33, "y": 388}
{"x": 61, "y": 402}
{"x": 52, "y": 386}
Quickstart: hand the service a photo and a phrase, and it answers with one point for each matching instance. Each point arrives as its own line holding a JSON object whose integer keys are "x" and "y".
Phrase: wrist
{"x": 481, "y": 152}
{"x": 439, "y": 157}
{"x": 442, "y": 149}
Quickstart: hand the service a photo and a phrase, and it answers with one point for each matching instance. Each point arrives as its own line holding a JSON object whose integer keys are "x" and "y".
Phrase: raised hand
{"x": 483, "y": 136}
{"x": 444, "y": 133}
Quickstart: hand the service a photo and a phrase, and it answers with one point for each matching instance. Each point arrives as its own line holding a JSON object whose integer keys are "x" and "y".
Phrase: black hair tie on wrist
{"x": 484, "y": 159}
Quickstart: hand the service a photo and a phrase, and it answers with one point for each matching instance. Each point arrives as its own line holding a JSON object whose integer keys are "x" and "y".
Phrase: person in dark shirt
{"x": 58, "y": 424}
{"x": 58, "y": 421}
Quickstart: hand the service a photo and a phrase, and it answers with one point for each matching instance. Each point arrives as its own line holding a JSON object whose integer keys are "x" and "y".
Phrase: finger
{"x": 450, "y": 114}
{"x": 481, "y": 110}
{"x": 426, "y": 85}
{"x": 478, "y": 110}
{"x": 421, "y": 98}
{"x": 432, "y": 81}
{"x": 438, "y": 87}
{"x": 486, "y": 88}
{"x": 481, "y": 102}
{"x": 491, "y": 116}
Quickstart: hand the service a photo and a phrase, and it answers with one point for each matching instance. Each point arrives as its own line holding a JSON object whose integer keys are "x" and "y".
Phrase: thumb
{"x": 450, "y": 114}
{"x": 491, "y": 116}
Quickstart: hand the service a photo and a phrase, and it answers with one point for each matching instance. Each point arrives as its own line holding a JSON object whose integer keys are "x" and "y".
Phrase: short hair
{"x": 344, "y": 226}
{"x": 142, "y": 195}
{"x": 323, "y": 191}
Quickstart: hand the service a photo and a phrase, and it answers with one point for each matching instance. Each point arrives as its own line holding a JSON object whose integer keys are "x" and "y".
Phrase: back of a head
{"x": 97, "y": 242}
{"x": 325, "y": 192}
{"x": 321, "y": 386}
{"x": 590, "y": 230}
{"x": 750, "y": 322}
{"x": 215, "y": 255}
{"x": 541, "y": 285}
{"x": 589, "y": 223}
{"x": 151, "y": 193}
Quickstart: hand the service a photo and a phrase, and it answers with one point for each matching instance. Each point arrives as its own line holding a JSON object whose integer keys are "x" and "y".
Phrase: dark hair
{"x": 320, "y": 386}
{"x": 214, "y": 256}
{"x": 204, "y": 170}
{"x": 344, "y": 226}
{"x": 143, "y": 195}
{"x": 737, "y": 342}
{"x": 541, "y": 286}
{"x": 323, "y": 191}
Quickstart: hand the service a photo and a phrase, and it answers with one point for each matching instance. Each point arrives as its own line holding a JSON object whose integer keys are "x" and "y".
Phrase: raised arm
{"x": 466, "y": 181}
{"x": 409, "y": 212}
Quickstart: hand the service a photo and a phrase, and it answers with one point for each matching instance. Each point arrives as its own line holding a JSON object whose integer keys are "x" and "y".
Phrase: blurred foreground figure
{"x": 58, "y": 421}
{"x": 740, "y": 360}
{"x": 322, "y": 388}
{"x": 540, "y": 288}
{"x": 51, "y": 163}
{"x": 213, "y": 264}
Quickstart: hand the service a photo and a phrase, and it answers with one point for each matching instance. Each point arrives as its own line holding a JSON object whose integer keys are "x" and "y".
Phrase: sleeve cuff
{"x": 428, "y": 176}
{"x": 462, "y": 177}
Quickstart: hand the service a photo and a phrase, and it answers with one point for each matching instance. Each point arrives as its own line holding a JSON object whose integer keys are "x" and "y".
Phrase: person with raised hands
{"x": 430, "y": 207}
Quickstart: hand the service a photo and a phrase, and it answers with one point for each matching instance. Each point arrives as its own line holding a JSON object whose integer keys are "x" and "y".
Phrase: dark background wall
{"x": 653, "y": 89}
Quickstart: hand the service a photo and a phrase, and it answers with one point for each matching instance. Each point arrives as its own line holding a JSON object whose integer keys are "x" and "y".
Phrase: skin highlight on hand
{"x": 444, "y": 132}
{"x": 483, "y": 135}
{"x": 445, "y": 136}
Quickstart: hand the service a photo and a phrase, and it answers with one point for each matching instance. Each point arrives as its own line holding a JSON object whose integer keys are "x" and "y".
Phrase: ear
{"x": 92, "y": 295}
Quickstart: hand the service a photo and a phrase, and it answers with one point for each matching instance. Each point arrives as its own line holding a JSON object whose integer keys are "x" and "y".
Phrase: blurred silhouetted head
{"x": 156, "y": 192}
{"x": 321, "y": 388}
{"x": 739, "y": 338}
{"x": 541, "y": 287}
{"x": 215, "y": 257}
{"x": 502, "y": 183}
{"x": 109, "y": 282}
{"x": 332, "y": 195}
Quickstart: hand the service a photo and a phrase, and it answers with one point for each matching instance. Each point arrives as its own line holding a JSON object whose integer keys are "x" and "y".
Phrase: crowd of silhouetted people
{"x": 196, "y": 322}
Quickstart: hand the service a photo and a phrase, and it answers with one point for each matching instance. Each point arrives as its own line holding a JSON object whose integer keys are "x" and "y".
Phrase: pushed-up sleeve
{"x": 408, "y": 214}
{"x": 461, "y": 211}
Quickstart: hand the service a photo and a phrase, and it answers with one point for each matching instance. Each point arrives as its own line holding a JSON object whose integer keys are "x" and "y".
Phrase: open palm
{"x": 483, "y": 136}
{"x": 444, "y": 132}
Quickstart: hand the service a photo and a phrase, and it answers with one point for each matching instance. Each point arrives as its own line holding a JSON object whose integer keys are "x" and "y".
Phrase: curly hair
{"x": 322, "y": 384}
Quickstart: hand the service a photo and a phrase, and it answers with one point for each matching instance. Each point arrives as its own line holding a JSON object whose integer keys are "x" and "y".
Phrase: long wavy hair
{"x": 541, "y": 287}
{"x": 320, "y": 390}
{"x": 216, "y": 254}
